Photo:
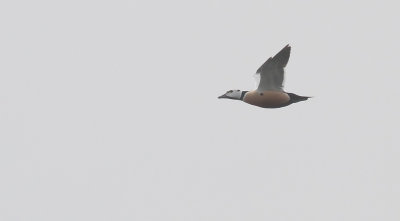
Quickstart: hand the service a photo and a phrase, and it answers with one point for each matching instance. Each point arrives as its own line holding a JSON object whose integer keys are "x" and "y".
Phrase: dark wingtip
{"x": 282, "y": 57}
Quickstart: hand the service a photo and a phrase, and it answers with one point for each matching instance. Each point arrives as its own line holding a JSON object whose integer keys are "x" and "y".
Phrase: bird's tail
{"x": 297, "y": 98}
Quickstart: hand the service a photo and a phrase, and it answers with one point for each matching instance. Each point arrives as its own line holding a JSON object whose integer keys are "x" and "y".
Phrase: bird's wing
{"x": 271, "y": 73}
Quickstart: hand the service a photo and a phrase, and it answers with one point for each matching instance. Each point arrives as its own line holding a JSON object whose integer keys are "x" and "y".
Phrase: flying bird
{"x": 270, "y": 93}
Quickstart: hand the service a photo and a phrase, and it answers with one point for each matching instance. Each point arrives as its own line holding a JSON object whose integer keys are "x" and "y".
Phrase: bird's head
{"x": 232, "y": 94}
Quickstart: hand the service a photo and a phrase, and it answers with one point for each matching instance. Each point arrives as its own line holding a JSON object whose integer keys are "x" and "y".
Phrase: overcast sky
{"x": 109, "y": 111}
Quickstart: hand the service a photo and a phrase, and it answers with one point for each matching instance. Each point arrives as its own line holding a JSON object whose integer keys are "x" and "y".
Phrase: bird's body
{"x": 270, "y": 93}
{"x": 267, "y": 99}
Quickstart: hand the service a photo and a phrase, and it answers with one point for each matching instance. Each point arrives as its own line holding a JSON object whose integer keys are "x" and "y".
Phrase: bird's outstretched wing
{"x": 272, "y": 72}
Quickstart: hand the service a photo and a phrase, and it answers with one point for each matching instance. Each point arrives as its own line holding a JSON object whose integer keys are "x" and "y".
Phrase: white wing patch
{"x": 271, "y": 79}
{"x": 257, "y": 79}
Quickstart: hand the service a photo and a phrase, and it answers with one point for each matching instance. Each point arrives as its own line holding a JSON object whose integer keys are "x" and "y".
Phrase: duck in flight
{"x": 270, "y": 93}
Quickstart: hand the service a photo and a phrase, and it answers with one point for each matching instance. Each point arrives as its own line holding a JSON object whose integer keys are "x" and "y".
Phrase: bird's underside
{"x": 267, "y": 99}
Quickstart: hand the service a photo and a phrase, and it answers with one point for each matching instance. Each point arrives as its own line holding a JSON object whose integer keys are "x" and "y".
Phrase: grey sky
{"x": 109, "y": 111}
